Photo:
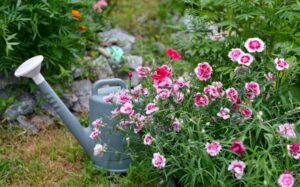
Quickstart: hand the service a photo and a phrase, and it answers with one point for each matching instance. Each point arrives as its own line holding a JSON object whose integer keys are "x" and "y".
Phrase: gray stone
{"x": 41, "y": 121}
{"x": 82, "y": 88}
{"x": 24, "y": 105}
{"x": 10, "y": 80}
{"x": 134, "y": 61}
{"x": 3, "y": 94}
{"x": 82, "y": 105}
{"x": 69, "y": 99}
{"x": 24, "y": 123}
{"x": 77, "y": 71}
{"x": 124, "y": 40}
{"x": 160, "y": 47}
{"x": 101, "y": 69}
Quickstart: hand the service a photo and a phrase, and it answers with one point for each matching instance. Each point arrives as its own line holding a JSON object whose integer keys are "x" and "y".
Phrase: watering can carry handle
{"x": 111, "y": 82}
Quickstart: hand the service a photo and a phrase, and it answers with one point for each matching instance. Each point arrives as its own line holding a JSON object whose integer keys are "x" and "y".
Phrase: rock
{"x": 77, "y": 71}
{"x": 10, "y": 80}
{"x": 82, "y": 89}
{"x": 41, "y": 121}
{"x": 161, "y": 48}
{"x": 69, "y": 99}
{"x": 134, "y": 61}
{"x": 3, "y": 94}
{"x": 124, "y": 40}
{"x": 24, "y": 105}
{"x": 100, "y": 69}
{"x": 24, "y": 123}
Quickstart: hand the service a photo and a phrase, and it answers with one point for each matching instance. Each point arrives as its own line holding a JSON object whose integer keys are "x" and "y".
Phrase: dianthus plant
{"x": 207, "y": 129}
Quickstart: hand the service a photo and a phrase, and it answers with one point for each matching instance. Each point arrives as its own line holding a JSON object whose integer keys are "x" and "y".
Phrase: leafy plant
{"x": 32, "y": 27}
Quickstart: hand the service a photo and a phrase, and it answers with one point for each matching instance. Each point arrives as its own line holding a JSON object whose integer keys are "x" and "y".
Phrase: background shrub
{"x": 31, "y": 27}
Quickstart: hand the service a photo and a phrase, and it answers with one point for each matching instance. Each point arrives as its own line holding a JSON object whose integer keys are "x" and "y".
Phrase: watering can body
{"x": 116, "y": 158}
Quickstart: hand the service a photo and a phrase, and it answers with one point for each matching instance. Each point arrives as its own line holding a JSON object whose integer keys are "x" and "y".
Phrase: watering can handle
{"x": 111, "y": 82}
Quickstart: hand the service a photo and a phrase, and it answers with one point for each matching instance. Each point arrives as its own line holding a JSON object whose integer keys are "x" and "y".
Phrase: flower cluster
{"x": 99, "y": 149}
{"x": 152, "y": 109}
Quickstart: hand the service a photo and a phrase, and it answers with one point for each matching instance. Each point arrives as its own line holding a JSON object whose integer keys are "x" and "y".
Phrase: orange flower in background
{"x": 82, "y": 28}
{"x": 76, "y": 14}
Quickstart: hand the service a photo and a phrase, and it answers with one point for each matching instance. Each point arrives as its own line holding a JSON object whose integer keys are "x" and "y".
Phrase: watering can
{"x": 115, "y": 159}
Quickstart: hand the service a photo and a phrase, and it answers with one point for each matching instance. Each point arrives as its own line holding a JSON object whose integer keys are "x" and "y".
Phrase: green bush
{"x": 32, "y": 27}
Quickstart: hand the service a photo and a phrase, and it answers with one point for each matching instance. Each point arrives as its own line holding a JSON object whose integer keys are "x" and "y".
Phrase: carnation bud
{"x": 130, "y": 74}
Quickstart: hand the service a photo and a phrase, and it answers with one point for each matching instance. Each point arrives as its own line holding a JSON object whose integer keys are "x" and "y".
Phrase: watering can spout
{"x": 31, "y": 69}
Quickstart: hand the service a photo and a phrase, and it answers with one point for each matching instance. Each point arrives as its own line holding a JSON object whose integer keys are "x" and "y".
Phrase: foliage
{"x": 276, "y": 22}
{"x": 31, "y": 27}
{"x": 184, "y": 145}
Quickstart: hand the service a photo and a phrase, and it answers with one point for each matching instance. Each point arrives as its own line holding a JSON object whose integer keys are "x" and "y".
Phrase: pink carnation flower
{"x": 109, "y": 98}
{"x": 97, "y": 123}
{"x": 245, "y": 59}
{"x": 148, "y": 139}
{"x": 98, "y": 5}
{"x": 201, "y": 100}
{"x": 178, "y": 98}
{"x": 286, "y": 179}
{"x": 286, "y": 130}
{"x": 238, "y": 147}
{"x": 123, "y": 96}
{"x": 270, "y": 76}
{"x": 166, "y": 82}
{"x": 237, "y": 167}
{"x": 253, "y": 89}
{"x": 254, "y": 45}
{"x": 176, "y": 125}
{"x": 138, "y": 127}
{"x": 163, "y": 93}
{"x": 213, "y": 148}
{"x": 127, "y": 109}
{"x": 224, "y": 113}
{"x": 173, "y": 54}
{"x": 246, "y": 112}
{"x": 150, "y": 108}
{"x": 294, "y": 150}
{"x": 124, "y": 123}
{"x": 232, "y": 95}
{"x": 203, "y": 71}
{"x": 158, "y": 160}
{"x": 115, "y": 112}
{"x": 95, "y": 134}
{"x": 235, "y": 53}
{"x": 212, "y": 91}
{"x": 143, "y": 71}
{"x": 281, "y": 64}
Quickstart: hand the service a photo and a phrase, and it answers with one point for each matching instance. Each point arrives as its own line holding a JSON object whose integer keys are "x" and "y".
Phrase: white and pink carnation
{"x": 287, "y": 130}
{"x": 143, "y": 71}
{"x": 224, "y": 113}
{"x": 165, "y": 82}
{"x": 281, "y": 64}
{"x": 232, "y": 95}
{"x": 201, "y": 100}
{"x": 97, "y": 123}
{"x": 246, "y": 112}
{"x": 115, "y": 112}
{"x": 109, "y": 98}
{"x": 270, "y": 76}
{"x": 123, "y": 96}
{"x": 176, "y": 125}
{"x": 245, "y": 59}
{"x": 235, "y": 53}
{"x": 94, "y": 134}
{"x": 253, "y": 89}
{"x": 127, "y": 109}
{"x": 212, "y": 91}
{"x": 163, "y": 93}
{"x": 158, "y": 160}
{"x": 148, "y": 139}
{"x": 254, "y": 45}
{"x": 237, "y": 167}
{"x": 138, "y": 127}
{"x": 99, "y": 149}
{"x": 213, "y": 148}
{"x": 178, "y": 97}
{"x": 150, "y": 108}
{"x": 203, "y": 71}
{"x": 294, "y": 150}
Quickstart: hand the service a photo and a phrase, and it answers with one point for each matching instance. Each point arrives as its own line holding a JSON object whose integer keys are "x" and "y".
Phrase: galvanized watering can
{"x": 115, "y": 159}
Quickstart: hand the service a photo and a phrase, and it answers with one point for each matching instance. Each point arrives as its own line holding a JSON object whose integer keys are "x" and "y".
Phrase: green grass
{"x": 54, "y": 158}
